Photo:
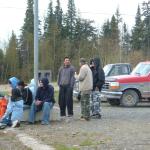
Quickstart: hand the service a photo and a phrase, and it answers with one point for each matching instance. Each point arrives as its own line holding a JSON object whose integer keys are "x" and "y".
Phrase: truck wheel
{"x": 129, "y": 98}
{"x": 113, "y": 102}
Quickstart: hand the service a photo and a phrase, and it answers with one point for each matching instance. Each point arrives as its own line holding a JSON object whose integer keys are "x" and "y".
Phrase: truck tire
{"x": 114, "y": 102}
{"x": 129, "y": 98}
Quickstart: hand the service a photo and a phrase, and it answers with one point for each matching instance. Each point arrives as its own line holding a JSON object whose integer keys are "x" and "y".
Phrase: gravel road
{"x": 119, "y": 129}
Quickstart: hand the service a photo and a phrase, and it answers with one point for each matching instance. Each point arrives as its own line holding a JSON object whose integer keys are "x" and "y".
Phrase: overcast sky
{"x": 12, "y": 12}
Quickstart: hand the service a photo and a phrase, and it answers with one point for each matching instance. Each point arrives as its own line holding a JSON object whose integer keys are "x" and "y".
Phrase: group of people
{"x": 23, "y": 97}
{"x": 91, "y": 78}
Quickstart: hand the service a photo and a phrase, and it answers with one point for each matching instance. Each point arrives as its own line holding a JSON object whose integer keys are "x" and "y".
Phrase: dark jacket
{"x": 98, "y": 74}
{"x": 15, "y": 92}
{"x": 27, "y": 96}
{"x": 66, "y": 76}
{"x": 45, "y": 93}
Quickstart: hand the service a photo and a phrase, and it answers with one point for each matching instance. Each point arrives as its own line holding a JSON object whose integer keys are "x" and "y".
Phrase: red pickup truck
{"x": 128, "y": 90}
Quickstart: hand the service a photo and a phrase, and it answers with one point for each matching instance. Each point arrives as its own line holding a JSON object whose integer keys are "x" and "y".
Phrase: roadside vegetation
{"x": 68, "y": 34}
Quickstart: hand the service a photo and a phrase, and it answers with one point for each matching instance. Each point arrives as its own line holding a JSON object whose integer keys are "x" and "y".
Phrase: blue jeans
{"x": 46, "y": 109}
{"x": 13, "y": 112}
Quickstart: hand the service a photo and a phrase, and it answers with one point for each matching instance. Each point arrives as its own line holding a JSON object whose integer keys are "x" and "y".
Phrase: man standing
{"x": 85, "y": 86}
{"x": 66, "y": 82}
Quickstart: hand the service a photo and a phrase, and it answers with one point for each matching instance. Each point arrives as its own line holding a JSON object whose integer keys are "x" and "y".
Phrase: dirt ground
{"x": 10, "y": 142}
{"x": 119, "y": 129}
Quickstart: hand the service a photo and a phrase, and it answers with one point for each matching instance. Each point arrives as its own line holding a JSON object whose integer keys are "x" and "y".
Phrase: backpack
{"x": 3, "y": 106}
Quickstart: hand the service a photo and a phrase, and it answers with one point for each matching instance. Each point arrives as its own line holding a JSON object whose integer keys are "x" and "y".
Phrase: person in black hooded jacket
{"x": 98, "y": 74}
{"x": 98, "y": 81}
{"x": 44, "y": 100}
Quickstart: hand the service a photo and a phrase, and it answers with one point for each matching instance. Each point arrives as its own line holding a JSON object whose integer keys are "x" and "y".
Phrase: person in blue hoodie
{"x": 44, "y": 100}
{"x": 14, "y": 111}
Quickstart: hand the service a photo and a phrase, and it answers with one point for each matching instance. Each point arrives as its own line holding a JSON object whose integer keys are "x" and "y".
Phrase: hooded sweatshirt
{"x": 45, "y": 93}
{"x": 32, "y": 87}
{"x": 15, "y": 92}
{"x": 98, "y": 74}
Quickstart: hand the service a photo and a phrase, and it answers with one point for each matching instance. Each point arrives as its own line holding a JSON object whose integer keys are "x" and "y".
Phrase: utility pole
{"x": 36, "y": 52}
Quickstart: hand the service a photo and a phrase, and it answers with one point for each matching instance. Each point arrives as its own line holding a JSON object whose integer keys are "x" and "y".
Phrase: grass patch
{"x": 87, "y": 142}
{"x": 64, "y": 147}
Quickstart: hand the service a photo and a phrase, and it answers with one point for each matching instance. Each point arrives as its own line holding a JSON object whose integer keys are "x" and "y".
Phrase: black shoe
{"x": 96, "y": 116}
{"x": 29, "y": 123}
{"x": 87, "y": 118}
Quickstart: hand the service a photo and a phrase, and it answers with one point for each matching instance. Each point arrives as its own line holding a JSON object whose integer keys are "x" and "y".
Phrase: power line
{"x": 100, "y": 13}
{"x": 87, "y": 12}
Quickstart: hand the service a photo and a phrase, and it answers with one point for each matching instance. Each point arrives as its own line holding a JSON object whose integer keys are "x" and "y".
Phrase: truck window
{"x": 124, "y": 69}
{"x": 114, "y": 71}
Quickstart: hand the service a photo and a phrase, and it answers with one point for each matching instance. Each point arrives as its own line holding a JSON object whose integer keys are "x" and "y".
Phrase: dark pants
{"x": 66, "y": 100}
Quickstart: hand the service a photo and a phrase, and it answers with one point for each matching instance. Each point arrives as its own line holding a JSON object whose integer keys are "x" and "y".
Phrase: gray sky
{"x": 12, "y": 12}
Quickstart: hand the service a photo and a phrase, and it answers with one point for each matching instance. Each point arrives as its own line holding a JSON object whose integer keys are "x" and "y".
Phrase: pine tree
{"x": 1, "y": 65}
{"x": 125, "y": 39}
{"x": 58, "y": 15}
{"x": 115, "y": 37}
{"x": 11, "y": 58}
{"x": 27, "y": 42}
{"x": 49, "y": 21}
{"x": 118, "y": 17}
{"x": 137, "y": 32}
{"x": 106, "y": 30}
{"x": 146, "y": 14}
{"x": 71, "y": 19}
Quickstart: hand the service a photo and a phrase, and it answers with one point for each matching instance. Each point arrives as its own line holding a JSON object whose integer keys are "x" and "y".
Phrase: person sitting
{"x": 26, "y": 95}
{"x": 14, "y": 111}
{"x": 44, "y": 100}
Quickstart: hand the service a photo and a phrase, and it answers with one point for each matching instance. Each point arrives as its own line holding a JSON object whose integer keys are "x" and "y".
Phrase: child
{"x": 14, "y": 110}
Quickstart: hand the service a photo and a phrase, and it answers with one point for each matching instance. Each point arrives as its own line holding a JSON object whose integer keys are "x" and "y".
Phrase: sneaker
{"x": 81, "y": 117}
{"x": 96, "y": 116}
{"x": 3, "y": 125}
{"x": 85, "y": 119}
{"x": 62, "y": 118}
{"x": 44, "y": 123}
{"x": 15, "y": 124}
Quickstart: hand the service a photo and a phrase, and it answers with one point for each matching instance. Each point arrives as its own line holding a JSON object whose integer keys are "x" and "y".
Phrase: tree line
{"x": 68, "y": 34}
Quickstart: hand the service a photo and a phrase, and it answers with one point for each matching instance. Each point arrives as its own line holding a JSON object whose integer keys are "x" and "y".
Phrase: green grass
{"x": 87, "y": 142}
{"x": 63, "y": 147}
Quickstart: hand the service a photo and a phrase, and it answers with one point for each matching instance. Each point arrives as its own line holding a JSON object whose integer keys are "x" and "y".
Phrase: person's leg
{"x": 69, "y": 101}
{"x": 82, "y": 100}
{"x": 47, "y": 107}
{"x": 32, "y": 113}
{"x": 62, "y": 102}
{"x": 85, "y": 106}
{"x": 17, "y": 112}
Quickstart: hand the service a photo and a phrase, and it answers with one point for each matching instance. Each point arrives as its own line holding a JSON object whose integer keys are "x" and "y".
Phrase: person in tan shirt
{"x": 85, "y": 86}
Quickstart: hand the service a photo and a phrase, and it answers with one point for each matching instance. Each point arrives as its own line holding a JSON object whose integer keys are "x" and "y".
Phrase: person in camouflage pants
{"x": 85, "y": 86}
{"x": 85, "y": 106}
